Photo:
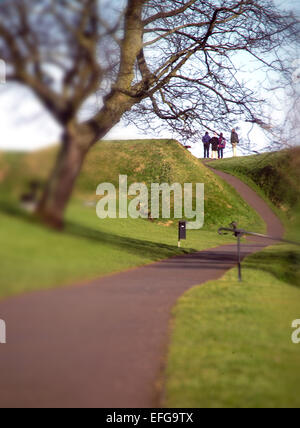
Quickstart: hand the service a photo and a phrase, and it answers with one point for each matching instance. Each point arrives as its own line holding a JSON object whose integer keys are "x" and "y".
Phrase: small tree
{"x": 176, "y": 60}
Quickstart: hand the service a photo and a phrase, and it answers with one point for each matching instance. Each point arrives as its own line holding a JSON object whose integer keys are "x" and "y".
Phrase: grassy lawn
{"x": 32, "y": 257}
{"x": 231, "y": 343}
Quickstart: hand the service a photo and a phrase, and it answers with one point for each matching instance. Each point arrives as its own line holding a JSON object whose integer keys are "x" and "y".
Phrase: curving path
{"x": 103, "y": 345}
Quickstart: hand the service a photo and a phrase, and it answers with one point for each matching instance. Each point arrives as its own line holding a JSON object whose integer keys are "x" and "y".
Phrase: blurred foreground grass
{"x": 231, "y": 345}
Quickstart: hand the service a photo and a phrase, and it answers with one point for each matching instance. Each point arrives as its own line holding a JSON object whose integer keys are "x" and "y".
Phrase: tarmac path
{"x": 104, "y": 344}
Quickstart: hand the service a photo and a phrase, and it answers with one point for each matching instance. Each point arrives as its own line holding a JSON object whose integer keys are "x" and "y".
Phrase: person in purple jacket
{"x": 221, "y": 146}
{"x": 206, "y": 144}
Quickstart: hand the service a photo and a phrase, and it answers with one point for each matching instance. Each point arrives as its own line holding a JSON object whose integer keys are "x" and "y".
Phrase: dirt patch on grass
{"x": 166, "y": 224}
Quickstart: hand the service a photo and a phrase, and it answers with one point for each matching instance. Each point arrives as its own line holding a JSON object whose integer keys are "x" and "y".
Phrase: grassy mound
{"x": 276, "y": 176}
{"x": 32, "y": 257}
{"x": 146, "y": 161}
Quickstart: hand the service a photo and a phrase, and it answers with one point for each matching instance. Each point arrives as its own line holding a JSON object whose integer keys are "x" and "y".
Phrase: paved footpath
{"x": 104, "y": 344}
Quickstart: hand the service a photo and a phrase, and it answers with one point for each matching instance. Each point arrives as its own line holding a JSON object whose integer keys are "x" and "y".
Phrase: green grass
{"x": 231, "y": 342}
{"x": 276, "y": 177}
{"x": 32, "y": 257}
{"x": 143, "y": 161}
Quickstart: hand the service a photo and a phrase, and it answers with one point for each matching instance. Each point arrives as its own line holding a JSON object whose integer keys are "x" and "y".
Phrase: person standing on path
{"x": 214, "y": 145}
{"x": 206, "y": 144}
{"x": 234, "y": 142}
{"x": 221, "y": 146}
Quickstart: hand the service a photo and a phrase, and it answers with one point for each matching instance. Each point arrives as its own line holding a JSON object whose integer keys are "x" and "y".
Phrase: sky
{"x": 26, "y": 126}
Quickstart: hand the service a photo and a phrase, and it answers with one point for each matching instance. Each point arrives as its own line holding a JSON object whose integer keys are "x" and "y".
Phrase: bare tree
{"x": 177, "y": 60}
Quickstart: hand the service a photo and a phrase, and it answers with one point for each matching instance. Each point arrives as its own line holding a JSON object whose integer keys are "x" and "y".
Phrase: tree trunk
{"x": 61, "y": 183}
{"x": 78, "y": 140}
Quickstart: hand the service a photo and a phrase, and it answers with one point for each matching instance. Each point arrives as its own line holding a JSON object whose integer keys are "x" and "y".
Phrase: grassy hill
{"x": 32, "y": 257}
{"x": 147, "y": 161}
{"x": 276, "y": 176}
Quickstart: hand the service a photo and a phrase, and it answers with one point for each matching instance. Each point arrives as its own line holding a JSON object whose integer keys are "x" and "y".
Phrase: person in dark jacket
{"x": 221, "y": 146}
{"x": 206, "y": 144}
{"x": 234, "y": 142}
{"x": 214, "y": 145}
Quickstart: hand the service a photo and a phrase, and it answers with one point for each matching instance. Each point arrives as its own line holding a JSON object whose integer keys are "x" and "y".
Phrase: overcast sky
{"x": 25, "y": 125}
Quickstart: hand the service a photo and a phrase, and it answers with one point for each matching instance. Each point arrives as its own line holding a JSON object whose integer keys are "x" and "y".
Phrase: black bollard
{"x": 181, "y": 232}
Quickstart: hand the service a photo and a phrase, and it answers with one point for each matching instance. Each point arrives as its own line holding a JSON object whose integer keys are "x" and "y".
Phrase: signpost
{"x": 239, "y": 233}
